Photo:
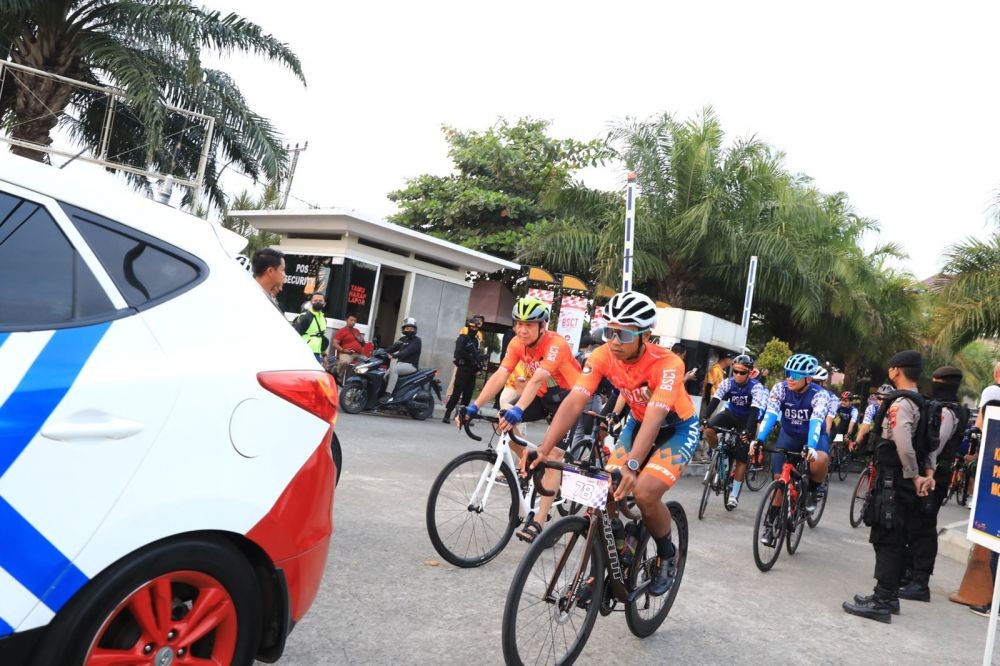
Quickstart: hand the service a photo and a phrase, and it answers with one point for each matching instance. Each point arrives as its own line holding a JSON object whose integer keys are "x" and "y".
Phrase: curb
{"x": 952, "y": 542}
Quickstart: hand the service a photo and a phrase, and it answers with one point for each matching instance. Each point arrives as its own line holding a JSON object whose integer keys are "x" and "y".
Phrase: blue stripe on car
{"x": 5, "y": 628}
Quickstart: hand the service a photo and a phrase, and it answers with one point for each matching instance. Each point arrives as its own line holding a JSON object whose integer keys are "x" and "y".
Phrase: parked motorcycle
{"x": 413, "y": 394}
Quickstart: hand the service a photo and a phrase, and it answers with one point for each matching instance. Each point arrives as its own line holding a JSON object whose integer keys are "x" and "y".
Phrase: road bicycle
{"x": 788, "y": 494}
{"x": 958, "y": 482}
{"x": 719, "y": 475}
{"x": 840, "y": 459}
{"x": 862, "y": 492}
{"x": 479, "y": 498}
{"x": 574, "y": 570}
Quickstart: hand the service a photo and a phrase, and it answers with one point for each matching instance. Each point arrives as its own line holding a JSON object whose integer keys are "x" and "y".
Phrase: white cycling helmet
{"x": 821, "y": 375}
{"x": 631, "y": 308}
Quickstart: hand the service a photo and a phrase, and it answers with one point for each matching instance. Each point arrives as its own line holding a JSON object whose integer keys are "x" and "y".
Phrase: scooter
{"x": 412, "y": 395}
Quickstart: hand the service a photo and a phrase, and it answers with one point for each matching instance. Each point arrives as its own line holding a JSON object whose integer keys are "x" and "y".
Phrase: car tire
{"x": 102, "y": 617}
{"x": 338, "y": 457}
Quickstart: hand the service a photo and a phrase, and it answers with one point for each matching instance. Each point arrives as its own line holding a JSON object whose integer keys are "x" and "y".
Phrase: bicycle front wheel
{"x": 647, "y": 613}
{"x": 842, "y": 469}
{"x": 797, "y": 524}
{"x": 860, "y": 495}
{"x": 766, "y": 554}
{"x": 551, "y": 627}
{"x": 713, "y": 470}
{"x": 759, "y": 475}
{"x": 466, "y": 530}
{"x": 814, "y": 518}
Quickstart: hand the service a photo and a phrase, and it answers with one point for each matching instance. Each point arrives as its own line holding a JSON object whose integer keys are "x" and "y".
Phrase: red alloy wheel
{"x": 181, "y": 617}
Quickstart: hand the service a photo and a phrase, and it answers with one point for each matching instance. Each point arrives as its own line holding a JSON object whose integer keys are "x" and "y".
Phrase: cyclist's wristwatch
{"x": 632, "y": 464}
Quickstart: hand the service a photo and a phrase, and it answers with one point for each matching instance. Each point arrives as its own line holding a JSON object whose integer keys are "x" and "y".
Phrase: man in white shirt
{"x": 990, "y": 393}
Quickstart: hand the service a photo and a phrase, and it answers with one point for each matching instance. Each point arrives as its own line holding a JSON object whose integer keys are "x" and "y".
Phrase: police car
{"x": 166, "y": 476}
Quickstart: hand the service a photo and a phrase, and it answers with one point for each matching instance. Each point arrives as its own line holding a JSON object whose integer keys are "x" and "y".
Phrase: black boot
{"x": 876, "y": 607}
{"x": 447, "y": 416}
{"x": 864, "y": 599}
{"x": 915, "y": 591}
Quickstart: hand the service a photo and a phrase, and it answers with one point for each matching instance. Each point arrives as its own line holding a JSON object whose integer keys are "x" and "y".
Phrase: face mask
{"x": 318, "y": 306}
{"x": 944, "y": 392}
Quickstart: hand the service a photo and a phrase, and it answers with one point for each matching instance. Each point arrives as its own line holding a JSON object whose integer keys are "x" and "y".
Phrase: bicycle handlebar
{"x": 784, "y": 452}
{"x": 495, "y": 420}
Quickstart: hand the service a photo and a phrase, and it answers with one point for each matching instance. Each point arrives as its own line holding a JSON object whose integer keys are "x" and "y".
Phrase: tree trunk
{"x": 39, "y": 102}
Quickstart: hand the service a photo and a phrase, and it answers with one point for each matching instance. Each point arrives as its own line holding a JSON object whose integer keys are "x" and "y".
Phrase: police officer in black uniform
{"x": 947, "y": 419}
{"x": 900, "y": 487}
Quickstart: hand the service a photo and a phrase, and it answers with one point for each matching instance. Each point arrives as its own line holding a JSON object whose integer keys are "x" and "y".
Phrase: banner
{"x": 984, "y": 523}
{"x": 572, "y": 310}
{"x": 543, "y": 295}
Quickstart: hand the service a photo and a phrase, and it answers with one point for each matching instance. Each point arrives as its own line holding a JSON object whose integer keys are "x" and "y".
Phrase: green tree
{"x": 502, "y": 176}
{"x": 772, "y": 359}
{"x": 151, "y": 50}
{"x": 969, "y": 293}
{"x": 268, "y": 199}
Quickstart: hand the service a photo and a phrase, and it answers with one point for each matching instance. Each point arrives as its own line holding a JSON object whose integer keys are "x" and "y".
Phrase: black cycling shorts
{"x": 726, "y": 419}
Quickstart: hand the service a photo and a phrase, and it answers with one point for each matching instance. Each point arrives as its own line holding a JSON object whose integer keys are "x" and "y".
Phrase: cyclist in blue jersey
{"x": 847, "y": 416}
{"x": 747, "y": 402}
{"x": 802, "y": 407}
{"x": 820, "y": 377}
{"x": 869, "y": 418}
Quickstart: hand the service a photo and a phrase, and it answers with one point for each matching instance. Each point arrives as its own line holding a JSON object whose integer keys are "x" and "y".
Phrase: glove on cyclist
{"x": 513, "y": 416}
{"x": 470, "y": 411}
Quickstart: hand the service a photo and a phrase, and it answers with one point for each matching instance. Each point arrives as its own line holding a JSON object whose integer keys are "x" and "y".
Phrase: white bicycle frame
{"x": 488, "y": 479}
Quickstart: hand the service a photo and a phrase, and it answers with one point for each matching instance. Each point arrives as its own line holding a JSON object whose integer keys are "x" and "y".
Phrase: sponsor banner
{"x": 598, "y": 321}
{"x": 544, "y": 295}
{"x": 572, "y": 311}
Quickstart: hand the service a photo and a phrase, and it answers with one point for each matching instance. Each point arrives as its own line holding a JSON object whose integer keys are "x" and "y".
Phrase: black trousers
{"x": 921, "y": 551}
{"x": 890, "y": 541}
{"x": 465, "y": 384}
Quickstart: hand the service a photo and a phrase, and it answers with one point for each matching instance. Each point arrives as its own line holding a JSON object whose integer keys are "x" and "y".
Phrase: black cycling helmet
{"x": 744, "y": 359}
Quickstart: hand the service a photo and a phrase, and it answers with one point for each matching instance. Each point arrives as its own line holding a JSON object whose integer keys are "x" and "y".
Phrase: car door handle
{"x": 92, "y": 424}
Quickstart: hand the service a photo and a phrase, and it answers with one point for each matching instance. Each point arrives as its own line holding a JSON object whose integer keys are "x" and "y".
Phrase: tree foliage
{"x": 772, "y": 359}
{"x": 968, "y": 291}
{"x": 502, "y": 177}
{"x": 152, "y": 51}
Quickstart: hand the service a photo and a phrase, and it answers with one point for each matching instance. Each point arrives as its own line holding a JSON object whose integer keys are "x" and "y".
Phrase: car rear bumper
{"x": 295, "y": 533}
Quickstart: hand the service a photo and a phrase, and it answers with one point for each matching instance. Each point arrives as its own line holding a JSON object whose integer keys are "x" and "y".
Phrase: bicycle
{"x": 958, "y": 485}
{"x": 839, "y": 459}
{"x": 719, "y": 475}
{"x": 758, "y": 469}
{"x": 478, "y": 500}
{"x": 791, "y": 491}
{"x": 574, "y": 571}
{"x": 862, "y": 492}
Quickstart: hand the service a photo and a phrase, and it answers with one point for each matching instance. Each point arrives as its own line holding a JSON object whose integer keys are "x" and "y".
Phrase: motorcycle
{"x": 412, "y": 395}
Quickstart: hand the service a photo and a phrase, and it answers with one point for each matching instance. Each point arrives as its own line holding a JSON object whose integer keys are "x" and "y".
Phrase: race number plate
{"x": 590, "y": 491}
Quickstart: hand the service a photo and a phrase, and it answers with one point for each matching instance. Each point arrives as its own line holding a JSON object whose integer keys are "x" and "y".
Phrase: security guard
{"x": 311, "y": 325}
{"x": 897, "y": 499}
{"x": 947, "y": 417}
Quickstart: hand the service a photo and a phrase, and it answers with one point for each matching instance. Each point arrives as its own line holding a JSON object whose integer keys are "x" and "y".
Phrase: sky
{"x": 894, "y": 103}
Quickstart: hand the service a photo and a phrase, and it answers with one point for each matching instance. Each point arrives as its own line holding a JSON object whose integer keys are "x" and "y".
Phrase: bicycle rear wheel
{"x": 552, "y": 629}
{"x": 759, "y": 475}
{"x": 860, "y": 495}
{"x": 814, "y": 518}
{"x": 766, "y": 555}
{"x": 963, "y": 488}
{"x": 465, "y": 532}
{"x": 713, "y": 470}
{"x": 647, "y": 613}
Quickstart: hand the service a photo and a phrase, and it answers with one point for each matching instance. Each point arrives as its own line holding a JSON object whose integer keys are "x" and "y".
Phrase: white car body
{"x": 150, "y": 424}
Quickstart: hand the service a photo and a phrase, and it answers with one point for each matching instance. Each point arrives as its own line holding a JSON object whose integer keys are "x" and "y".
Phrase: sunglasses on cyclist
{"x": 625, "y": 337}
{"x": 741, "y": 372}
{"x": 796, "y": 376}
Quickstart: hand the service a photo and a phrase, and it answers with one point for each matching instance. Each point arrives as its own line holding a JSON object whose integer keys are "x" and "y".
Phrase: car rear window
{"x": 146, "y": 270}
{"x": 43, "y": 281}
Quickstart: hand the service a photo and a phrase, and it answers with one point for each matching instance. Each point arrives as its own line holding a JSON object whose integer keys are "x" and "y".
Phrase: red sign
{"x": 357, "y": 295}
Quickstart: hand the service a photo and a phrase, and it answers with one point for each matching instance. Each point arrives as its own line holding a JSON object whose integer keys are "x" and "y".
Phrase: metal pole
{"x": 627, "y": 258}
{"x": 291, "y": 172}
{"x": 748, "y": 299}
{"x": 202, "y": 163}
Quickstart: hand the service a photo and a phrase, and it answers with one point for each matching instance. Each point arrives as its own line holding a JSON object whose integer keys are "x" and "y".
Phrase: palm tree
{"x": 151, "y": 51}
{"x": 969, "y": 293}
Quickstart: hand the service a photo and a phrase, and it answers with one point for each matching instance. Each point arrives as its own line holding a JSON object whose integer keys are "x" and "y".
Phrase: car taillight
{"x": 312, "y": 390}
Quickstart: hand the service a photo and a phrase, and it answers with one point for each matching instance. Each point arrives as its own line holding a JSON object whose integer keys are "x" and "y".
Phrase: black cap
{"x": 907, "y": 359}
{"x": 948, "y": 374}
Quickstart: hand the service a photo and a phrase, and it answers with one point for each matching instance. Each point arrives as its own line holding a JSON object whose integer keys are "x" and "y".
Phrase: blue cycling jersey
{"x": 847, "y": 414}
{"x": 802, "y": 414}
{"x": 870, "y": 412}
{"x": 742, "y": 397}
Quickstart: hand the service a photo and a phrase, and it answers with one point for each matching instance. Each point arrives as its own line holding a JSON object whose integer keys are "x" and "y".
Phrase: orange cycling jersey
{"x": 657, "y": 379}
{"x": 551, "y": 353}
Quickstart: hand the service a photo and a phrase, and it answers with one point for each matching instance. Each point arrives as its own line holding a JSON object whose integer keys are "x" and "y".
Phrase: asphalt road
{"x": 388, "y": 598}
